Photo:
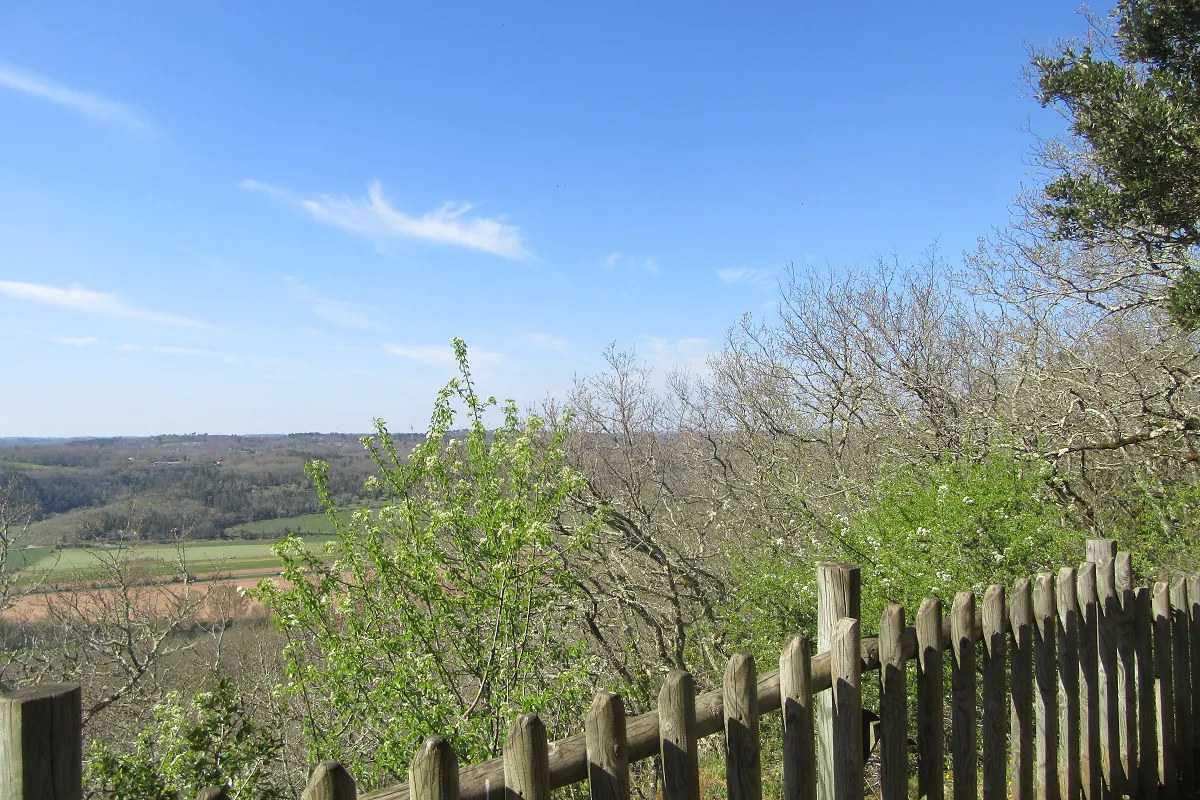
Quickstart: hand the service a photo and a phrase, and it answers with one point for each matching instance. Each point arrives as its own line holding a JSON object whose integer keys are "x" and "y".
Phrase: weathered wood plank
{"x": 677, "y": 737}
{"x": 527, "y": 760}
{"x": 839, "y": 595}
{"x": 330, "y": 781}
{"x": 1021, "y": 657}
{"x": 1096, "y": 550}
{"x": 743, "y": 776}
{"x": 799, "y": 745}
{"x": 1181, "y": 672}
{"x": 1045, "y": 629}
{"x": 893, "y": 705}
{"x": 1068, "y": 686}
{"x": 995, "y": 694}
{"x": 212, "y": 793}
{"x": 930, "y": 742}
{"x": 1108, "y": 619}
{"x": 434, "y": 772}
{"x": 1090, "y": 770}
{"x": 1127, "y": 671}
{"x": 1168, "y": 764}
{"x": 1193, "y": 590}
{"x": 846, "y": 672}
{"x": 607, "y": 748}
{"x": 963, "y": 705}
{"x": 41, "y": 743}
{"x": 1143, "y": 625}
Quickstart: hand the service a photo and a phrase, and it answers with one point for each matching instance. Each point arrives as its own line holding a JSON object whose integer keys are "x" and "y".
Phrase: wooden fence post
{"x": 1096, "y": 550}
{"x": 1168, "y": 766}
{"x": 1046, "y": 705}
{"x": 995, "y": 692}
{"x": 1127, "y": 670}
{"x": 962, "y": 711}
{"x": 41, "y": 743}
{"x": 893, "y": 705}
{"x": 1143, "y": 625}
{"x": 1193, "y": 591}
{"x": 434, "y": 771}
{"x": 1108, "y": 619}
{"x": 527, "y": 760}
{"x": 743, "y": 776}
{"x": 677, "y": 737}
{"x": 930, "y": 703}
{"x": 839, "y": 594}
{"x": 796, "y": 704}
{"x": 1089, "y": 682}
{"x": 330, "y": 781}
{"x": 1181, "y": 670}
{"x": 845, "y": 672}
{"x": 1021, "y": 729}
{"x": 1068, "y": 685}
{"x": 607, "y": 748}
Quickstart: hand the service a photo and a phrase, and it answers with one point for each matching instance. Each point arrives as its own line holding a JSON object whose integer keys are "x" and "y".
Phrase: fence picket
{"x": 1068, "y": 686}
{"x": 796, "y": 701}
{"x": 930, "y": 742}
{"x": 330, "y": 781}
{"x": 677, "y": 737}
{"x": 1089, "y": 682}
{"x": 1168, "y": 767}
{"x": 839, "y": 595}
{"x": 1045, "y": 627}
{"x": 1021, "y": 658}
{"x": 962, "y": 710}
{"x": 41, "y": 742}
{"x": 1193, "y": 591}
{"x": 1181, "y": 671}
{"x": 743, "y": 778}
{"x": 527, "y": 760}
{"x": 1108, "y": 615}
{"x": 434, "y": 772}
{"x": 995, "y": 690}
{"x": 845, "y": 670}
{"x": 607, "y": 749}
{"x": 1143, "y": 624}
{"x": 1128, "y": 686}
{"x": 893, "y": 705}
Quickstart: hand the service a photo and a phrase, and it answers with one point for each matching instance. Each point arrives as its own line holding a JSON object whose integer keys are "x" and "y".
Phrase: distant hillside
{"x": 207, "y": 486}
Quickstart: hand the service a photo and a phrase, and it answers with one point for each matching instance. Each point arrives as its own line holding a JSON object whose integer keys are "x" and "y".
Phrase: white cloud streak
{"x": 618, "y": 259}
{"x": 438, "y": 355}
{"x": 691, "y": 353}
{"x": 339, "y": 312}
{"x": 76, "y": 341}
{"x": 748, "y": 276}
{"x": 546, "y": 341}
{"x": 375, "y": 218}
{"x": 95, "y": 107}
{"x": 77, "y": 298}
{"x": 190, "y": 352}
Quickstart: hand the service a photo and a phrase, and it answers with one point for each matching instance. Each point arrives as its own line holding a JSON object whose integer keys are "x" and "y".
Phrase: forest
{"x": 945, "y": 423}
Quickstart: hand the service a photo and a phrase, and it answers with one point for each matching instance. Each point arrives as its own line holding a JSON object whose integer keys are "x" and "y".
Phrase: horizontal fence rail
{"x": 1067, "y": 686}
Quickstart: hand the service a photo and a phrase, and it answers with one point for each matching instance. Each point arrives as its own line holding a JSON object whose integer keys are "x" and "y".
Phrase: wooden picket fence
{"x": 1070, "y": 687}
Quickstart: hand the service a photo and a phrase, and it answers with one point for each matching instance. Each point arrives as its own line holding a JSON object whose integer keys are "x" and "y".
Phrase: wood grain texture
{"x": 434, "y": 771}
{"x": 1127, "y": 671}
{"x": 41, "y": 743}
{"x": 995, "y": 694}
{"x": 743, "y": 776}
{"x": 798, "y": 718}
{"x": 1193, "y": 591}
{"x": 212, "y": 793}
{"x": 1142, "y": 622}
{"x": 1090, "y": 770}
{"x": 1021, "y": 670}
{"x": 1045, "y": 630}
{"x": 607, "y": 748}
{"x": 527, "y": 760}
{"x": 1112, "y": 770}
{"x": 846, "y": 672}
{"x": 1096, "y": 550}
{"x": 839, "y": 595}
{"x": 1067, "y": 602}
{"x": 893, "y": 705}
{"x": 930, "y": 741}
{"x": 677, "y": 737}
{"x": 1164, "y": 692}
{"x": 1181, "y": 673}
{"x": 963, "y": 694}
{"x": 330, "y": 781}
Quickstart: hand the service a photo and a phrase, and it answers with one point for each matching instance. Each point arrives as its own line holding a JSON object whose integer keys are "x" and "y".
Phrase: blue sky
{"x": 273, "y": 217}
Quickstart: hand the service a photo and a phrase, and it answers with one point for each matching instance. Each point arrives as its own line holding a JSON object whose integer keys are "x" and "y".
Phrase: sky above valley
{"x": 273, "y": 217}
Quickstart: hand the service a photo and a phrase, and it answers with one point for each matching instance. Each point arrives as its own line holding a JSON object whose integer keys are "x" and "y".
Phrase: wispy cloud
{"x": 77, "y": 298}
{"x": 618, "y": 259}
{"x": 546, "y": 341}
{"x": 691, "y": 353}
{"x": 375, "y": 218}
{"x": 438, "y": 355}
{"x": 76, "y": 341}
{"x": 339, "y": 312}
{"x": 100, "y": 109}
{"x": 746, "y": 275}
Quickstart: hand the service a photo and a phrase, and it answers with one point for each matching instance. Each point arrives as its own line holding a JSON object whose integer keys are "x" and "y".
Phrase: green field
{"x": 76, "y": 563}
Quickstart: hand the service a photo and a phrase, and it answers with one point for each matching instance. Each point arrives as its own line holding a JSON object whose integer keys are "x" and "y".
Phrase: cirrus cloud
{"x": 98, "y": 108}
{"x": 77, "y": 298}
